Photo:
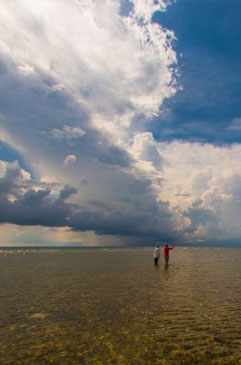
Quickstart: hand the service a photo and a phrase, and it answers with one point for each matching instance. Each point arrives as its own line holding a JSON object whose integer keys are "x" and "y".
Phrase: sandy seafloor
{"x": 114, "y": 307}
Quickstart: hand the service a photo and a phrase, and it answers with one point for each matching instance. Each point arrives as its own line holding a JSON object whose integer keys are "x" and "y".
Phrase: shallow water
{"x": 116, "y": 307}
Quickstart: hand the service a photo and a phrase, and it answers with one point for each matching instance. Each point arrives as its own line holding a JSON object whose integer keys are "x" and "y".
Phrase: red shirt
{"x": 166, "y": 250}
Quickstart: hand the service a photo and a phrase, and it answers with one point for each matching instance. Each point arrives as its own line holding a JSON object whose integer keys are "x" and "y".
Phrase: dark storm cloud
{"x": 100, "y": 204}
{"x": 21, "y": 204}
{"x": 122, "y": 223}
{"x": 139, "y": 215}
{"x": 32, "y": 207}
{"x": 66, "y": 192}
{"x": 136, "y": 207}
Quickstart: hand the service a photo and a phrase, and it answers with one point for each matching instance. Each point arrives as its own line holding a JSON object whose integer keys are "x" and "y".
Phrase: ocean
{"x": 113, "y": 306}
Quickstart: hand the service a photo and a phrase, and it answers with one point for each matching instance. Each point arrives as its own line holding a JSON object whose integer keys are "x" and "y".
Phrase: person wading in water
{"x": 157, "y": 254}
{"x": 166, "y": 250}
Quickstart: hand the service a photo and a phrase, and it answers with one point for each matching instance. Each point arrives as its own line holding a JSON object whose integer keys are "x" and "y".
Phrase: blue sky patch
{"x": 8, "y": 154}
{"x": 209, "y": 60}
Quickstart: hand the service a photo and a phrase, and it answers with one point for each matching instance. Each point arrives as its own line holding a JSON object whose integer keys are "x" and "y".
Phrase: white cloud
{"x": 207, "y": 175}
{"x": 69, "y": 160}
{"x": 26, "y": 69}
{"x": 144, "y": 9}
{"x": 66, "y": 133}
{"x": 110, "y": 64}
{"x": 10, "y": 168}
{"x": 145, "y": 148}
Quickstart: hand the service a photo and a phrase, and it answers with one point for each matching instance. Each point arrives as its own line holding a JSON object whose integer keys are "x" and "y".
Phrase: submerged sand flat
{"x": 115, "y": 307}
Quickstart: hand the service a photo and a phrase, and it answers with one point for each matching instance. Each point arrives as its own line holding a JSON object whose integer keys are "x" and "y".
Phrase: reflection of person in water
{"x": 166, "y": 250}
{"x": 157, "y": 254}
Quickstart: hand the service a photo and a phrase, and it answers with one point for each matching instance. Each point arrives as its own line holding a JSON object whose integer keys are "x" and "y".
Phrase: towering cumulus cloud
{"x": 80, "y": 82}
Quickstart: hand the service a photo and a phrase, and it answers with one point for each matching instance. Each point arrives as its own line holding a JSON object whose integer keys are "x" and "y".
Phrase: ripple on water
{"x": 114, "y": 307}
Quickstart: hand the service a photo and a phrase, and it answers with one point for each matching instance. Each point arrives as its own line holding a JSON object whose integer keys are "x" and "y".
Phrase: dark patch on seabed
{"x": 116, "y": 307}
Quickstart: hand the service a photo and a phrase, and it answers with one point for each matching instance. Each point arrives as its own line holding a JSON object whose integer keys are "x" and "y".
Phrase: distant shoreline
{"x": 56, "y": 248}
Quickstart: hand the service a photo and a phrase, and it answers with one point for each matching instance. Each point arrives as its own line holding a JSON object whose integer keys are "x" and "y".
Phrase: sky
{"x": 120, "y": 122}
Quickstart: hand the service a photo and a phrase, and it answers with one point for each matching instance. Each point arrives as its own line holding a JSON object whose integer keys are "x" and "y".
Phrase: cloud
{"x": 115, "y": 70}
{"x": 28, "y": 205}
{"x": 66, "y": 133}
{"x": 235, "y": 125}
{"x": 202, "y": 184}
{"x": 144, "y": 9}
{"x": 66, "y": 192}
{"x": 12, "y": 175}
{"x": 69, "y": 160}
{"x": 26, "y": 69}
{"x": 114, "y": 64}
{"x": 144, "y": 147}
{"x": 202, "y": 204}
{"x": 81, "y": 90}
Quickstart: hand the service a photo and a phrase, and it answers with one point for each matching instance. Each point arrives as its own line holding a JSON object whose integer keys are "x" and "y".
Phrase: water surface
{"x": 116, "y": 307}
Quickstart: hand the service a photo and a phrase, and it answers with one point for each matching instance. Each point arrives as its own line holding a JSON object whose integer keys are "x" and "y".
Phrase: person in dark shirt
{"x": 166, "y": 250}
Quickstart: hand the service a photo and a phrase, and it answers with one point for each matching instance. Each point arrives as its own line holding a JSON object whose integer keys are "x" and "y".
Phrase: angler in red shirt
{"x": 166, "y": 250}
